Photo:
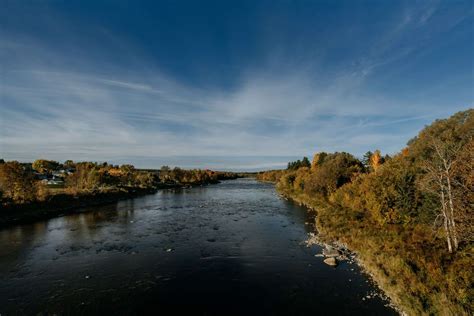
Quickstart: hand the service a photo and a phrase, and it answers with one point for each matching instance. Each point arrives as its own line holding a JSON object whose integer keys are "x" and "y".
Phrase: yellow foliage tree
{"x": 16, "y": 183}
{"x": 376, "y": 160}
{"x": 318, "y": 159}
{"x": 405, "y": 152}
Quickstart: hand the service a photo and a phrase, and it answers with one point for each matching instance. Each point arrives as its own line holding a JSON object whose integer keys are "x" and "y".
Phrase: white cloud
{"x": 51, "y": 109}
{"x": 65, "y": 115}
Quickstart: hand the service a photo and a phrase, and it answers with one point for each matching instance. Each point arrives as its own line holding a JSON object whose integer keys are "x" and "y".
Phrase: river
{"x": 230, "y": 248}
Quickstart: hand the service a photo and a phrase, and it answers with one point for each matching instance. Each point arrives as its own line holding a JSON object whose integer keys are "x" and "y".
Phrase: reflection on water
{"x": 232, "y": 248}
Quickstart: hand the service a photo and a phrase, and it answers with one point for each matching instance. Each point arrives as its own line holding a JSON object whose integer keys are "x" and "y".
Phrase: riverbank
{"x": 413, "y": 289}
{"x": 335, "y": 248}
{"x": 64, "y": 204}
{"x": 335, "y": 253}
{"x": 47, "y": 188}
{"x": 61, "y": 204}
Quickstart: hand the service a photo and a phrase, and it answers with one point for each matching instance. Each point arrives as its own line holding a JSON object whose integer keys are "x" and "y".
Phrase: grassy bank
{"x": 408, "y": 265}
{"x": 62, "y": 203}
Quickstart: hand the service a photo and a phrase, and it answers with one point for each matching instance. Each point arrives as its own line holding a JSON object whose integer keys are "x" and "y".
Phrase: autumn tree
{"x": 16, "y": 183}
{"x": 318, "y": 159}
{"x": 332, "y": 171}
{"x": 177, "y": 174}
{"x": 443, "y": 152}
{"x": 405, "y": 152}
{"x": 87, "y": 176}
{"x": 43, "y": 166}
{"x": 271, "y": 176}
{"x": 144, "y": 179}
{"x": 440, "y": 178}
{"x": 463, "y": 197}
{"x": 376, "y": 160}
{"x": 389, "y": 195}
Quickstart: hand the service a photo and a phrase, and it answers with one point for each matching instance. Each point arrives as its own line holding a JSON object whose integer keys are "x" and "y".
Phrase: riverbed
{"x": 235, "y": 248}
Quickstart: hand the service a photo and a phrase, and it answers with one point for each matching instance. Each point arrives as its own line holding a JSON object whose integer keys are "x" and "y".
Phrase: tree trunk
{"x": 445, "y": 215}
{"x": 451, "y": 206}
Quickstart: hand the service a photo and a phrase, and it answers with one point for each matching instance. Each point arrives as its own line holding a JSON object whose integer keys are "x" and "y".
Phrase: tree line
{"x": 22, "y": 183}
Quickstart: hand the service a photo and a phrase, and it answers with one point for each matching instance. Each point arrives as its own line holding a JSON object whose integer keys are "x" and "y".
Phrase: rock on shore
{"x": 331, "y": 261}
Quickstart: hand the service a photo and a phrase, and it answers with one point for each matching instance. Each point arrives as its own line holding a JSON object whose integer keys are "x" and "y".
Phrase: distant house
{"x": 59, "y": 174}
{"x": 52, "y": 181}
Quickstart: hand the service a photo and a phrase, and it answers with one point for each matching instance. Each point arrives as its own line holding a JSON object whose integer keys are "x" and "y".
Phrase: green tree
{"x": 69, "y": 164}
{"x": 305, "y": 162}
{"x": 366, "y": 159}
{"x": 336, "y": 170}
{"x": 295, "y": 165}
{"x": 44, "y": 166}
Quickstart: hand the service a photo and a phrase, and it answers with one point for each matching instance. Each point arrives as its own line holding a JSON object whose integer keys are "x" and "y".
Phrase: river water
{"x": 231, "y": 248}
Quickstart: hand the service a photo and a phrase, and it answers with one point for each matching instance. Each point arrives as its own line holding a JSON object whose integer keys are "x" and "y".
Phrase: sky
{"x": 238, "y": 85}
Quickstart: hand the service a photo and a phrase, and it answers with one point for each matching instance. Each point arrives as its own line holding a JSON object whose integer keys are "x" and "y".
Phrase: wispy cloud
{"x": 51, "y": 107}
{"x": 64, "y": 114}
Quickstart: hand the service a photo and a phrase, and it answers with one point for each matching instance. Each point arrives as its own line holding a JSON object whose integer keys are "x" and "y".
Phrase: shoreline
{"x": 67, "y": 204}
{"x": 347, "y": 254}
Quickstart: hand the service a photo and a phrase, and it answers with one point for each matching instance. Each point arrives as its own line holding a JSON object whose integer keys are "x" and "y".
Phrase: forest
{"x": 409, "y": 217}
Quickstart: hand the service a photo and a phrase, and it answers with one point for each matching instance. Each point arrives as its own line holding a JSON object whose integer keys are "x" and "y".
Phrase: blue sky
{"x": 227, "y": 84}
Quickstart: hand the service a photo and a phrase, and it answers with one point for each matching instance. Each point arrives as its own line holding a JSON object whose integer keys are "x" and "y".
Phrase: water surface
{"x": 231, "y": 248}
